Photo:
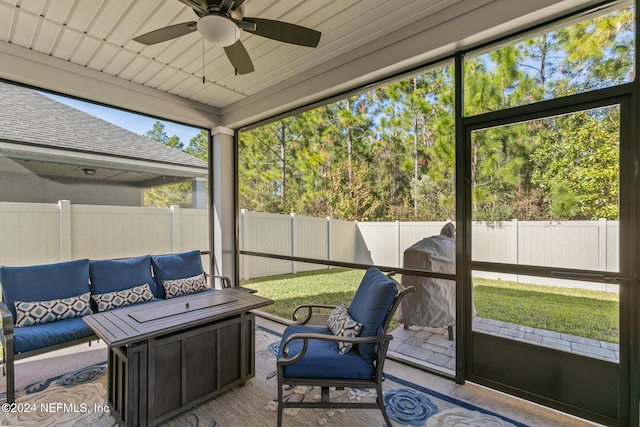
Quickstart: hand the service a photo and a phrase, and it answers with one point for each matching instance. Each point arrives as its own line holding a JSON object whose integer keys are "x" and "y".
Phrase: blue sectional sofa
{"x": 42, "y": 306}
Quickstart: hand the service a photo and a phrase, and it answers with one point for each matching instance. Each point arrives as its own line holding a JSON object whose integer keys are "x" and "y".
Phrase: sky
{"x": 136, "y": 123}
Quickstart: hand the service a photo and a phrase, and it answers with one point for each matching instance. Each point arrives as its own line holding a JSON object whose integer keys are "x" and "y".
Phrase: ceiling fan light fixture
{"x": 218, "y": 30}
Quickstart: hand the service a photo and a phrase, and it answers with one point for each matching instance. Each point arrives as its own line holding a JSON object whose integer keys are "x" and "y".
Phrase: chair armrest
{"x": 309, "y": 313}
{"x": 7, "y": 319}
{"x": 310, "y": 336}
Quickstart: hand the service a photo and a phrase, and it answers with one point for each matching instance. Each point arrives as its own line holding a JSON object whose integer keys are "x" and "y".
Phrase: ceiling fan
{"x": 221, "y": 22}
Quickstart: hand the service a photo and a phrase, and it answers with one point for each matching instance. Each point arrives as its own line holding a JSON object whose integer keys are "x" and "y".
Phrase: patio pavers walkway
{"x": 431, "y": 346}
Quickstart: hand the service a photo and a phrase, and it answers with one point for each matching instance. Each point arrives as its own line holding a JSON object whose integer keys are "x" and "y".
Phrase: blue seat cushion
{"x": 323, "y": 359}
{"x": 48, "y": 334}
{"x": 176, "y": 266}
{"x": 44, "y": 282}
{"x": 370, "y": 305}
{"x": 113, "y": 275}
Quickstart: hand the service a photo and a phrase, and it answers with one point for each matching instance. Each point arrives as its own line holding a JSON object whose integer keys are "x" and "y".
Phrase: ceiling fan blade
{"x": 237, "y": 4}
{"x": 239, "y": 58}
{"x": 166, "y": 33}
{"x": 225, "y": 5}
{"x": 285, "y": 32}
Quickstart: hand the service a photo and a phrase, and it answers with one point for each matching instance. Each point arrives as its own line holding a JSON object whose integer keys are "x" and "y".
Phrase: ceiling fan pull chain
{"x": 203, "y": 81}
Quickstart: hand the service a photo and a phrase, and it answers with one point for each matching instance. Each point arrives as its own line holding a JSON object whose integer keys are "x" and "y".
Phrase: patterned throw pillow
{"x": 189, "y": 285}
{"x": 342, "y": 325}
{"x": 111, "y": 300}
{"x": 35, "y": 312}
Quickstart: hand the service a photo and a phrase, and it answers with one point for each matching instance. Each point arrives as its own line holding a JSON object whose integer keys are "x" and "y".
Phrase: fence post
{"x": 175, "y": 228}
{"x": 398, "y": 247}
{"x": 602, "y": 244}
{"x": 514, "y": 244}
{"x": 64, "y": 206}
{"x": 515, "y": 235}
{"x": 356, "y": 246}
{"x": 244, "y": 230}
{"x": 329, "y": 254}
{"x": 294, "y": 223}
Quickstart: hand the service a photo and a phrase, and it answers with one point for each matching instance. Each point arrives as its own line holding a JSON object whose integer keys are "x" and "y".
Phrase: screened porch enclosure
{"x": 526, "y": 147}
{"x": 518, "y": 128}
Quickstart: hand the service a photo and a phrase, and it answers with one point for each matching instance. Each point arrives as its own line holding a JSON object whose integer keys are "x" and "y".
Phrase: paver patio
{"x": 431, "y": 346}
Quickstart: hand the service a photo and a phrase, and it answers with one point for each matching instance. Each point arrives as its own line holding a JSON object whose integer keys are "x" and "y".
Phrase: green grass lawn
{"x": 585, "y": 313}
{"x": 581, "y": 312}
{"x": 335, "y": 286}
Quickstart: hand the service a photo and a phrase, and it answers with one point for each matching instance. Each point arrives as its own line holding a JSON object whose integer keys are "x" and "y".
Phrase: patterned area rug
{"x": 79, "y": 398}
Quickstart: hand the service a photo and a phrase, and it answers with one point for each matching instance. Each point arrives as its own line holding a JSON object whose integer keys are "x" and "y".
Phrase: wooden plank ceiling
{"x": 98, "y": 34}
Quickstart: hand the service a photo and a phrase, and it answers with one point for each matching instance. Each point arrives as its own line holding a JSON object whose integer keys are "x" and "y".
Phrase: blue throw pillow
{"x": 370, "y": 305}
{"x": 113, "y": 275}
{"x": 176, "y": 266}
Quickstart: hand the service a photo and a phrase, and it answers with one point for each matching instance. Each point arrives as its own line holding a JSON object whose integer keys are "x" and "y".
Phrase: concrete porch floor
{"x": 45, "y": 366}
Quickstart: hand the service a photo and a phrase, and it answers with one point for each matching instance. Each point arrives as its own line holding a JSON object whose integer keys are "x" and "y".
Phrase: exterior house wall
{"x": 30, "y": 188}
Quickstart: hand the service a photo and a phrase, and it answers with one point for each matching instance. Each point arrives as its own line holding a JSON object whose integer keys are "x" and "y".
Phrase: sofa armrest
{"x": 7, "y": 320}
{"x": 226, "y": 282}
{"x": 7, "y": 327}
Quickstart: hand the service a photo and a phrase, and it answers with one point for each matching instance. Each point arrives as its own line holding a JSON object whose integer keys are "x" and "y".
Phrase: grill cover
{"x": 434, "y": 302}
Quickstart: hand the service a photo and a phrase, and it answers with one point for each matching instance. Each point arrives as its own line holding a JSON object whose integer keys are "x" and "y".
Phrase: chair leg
{"x": 11, "y": 391}
{"x": 382, "y": 408}
{"x": 280, "y": 402}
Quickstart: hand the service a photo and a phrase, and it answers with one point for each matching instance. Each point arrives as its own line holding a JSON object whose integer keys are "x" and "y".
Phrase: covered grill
{"x": 434, "y": 302}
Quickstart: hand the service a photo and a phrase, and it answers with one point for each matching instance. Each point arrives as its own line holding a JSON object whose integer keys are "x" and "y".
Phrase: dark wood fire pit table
{"x": 166, "y": 356}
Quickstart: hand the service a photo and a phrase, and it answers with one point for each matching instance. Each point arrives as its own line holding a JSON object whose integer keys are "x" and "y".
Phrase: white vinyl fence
{"x": 292, "y": 235}
{"x": 41, "y": 233}
{"x": 589, "y": 245}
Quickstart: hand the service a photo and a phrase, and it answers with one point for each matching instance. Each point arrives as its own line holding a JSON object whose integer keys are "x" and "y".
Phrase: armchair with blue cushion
{"x": 348, "y": 351}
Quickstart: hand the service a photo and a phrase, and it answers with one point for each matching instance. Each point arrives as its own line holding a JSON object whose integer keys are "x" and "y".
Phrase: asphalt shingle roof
{"x": 28, "y": 117}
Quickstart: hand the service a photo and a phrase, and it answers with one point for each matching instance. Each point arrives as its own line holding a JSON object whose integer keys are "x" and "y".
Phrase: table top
{"x": 139, "y": 322}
